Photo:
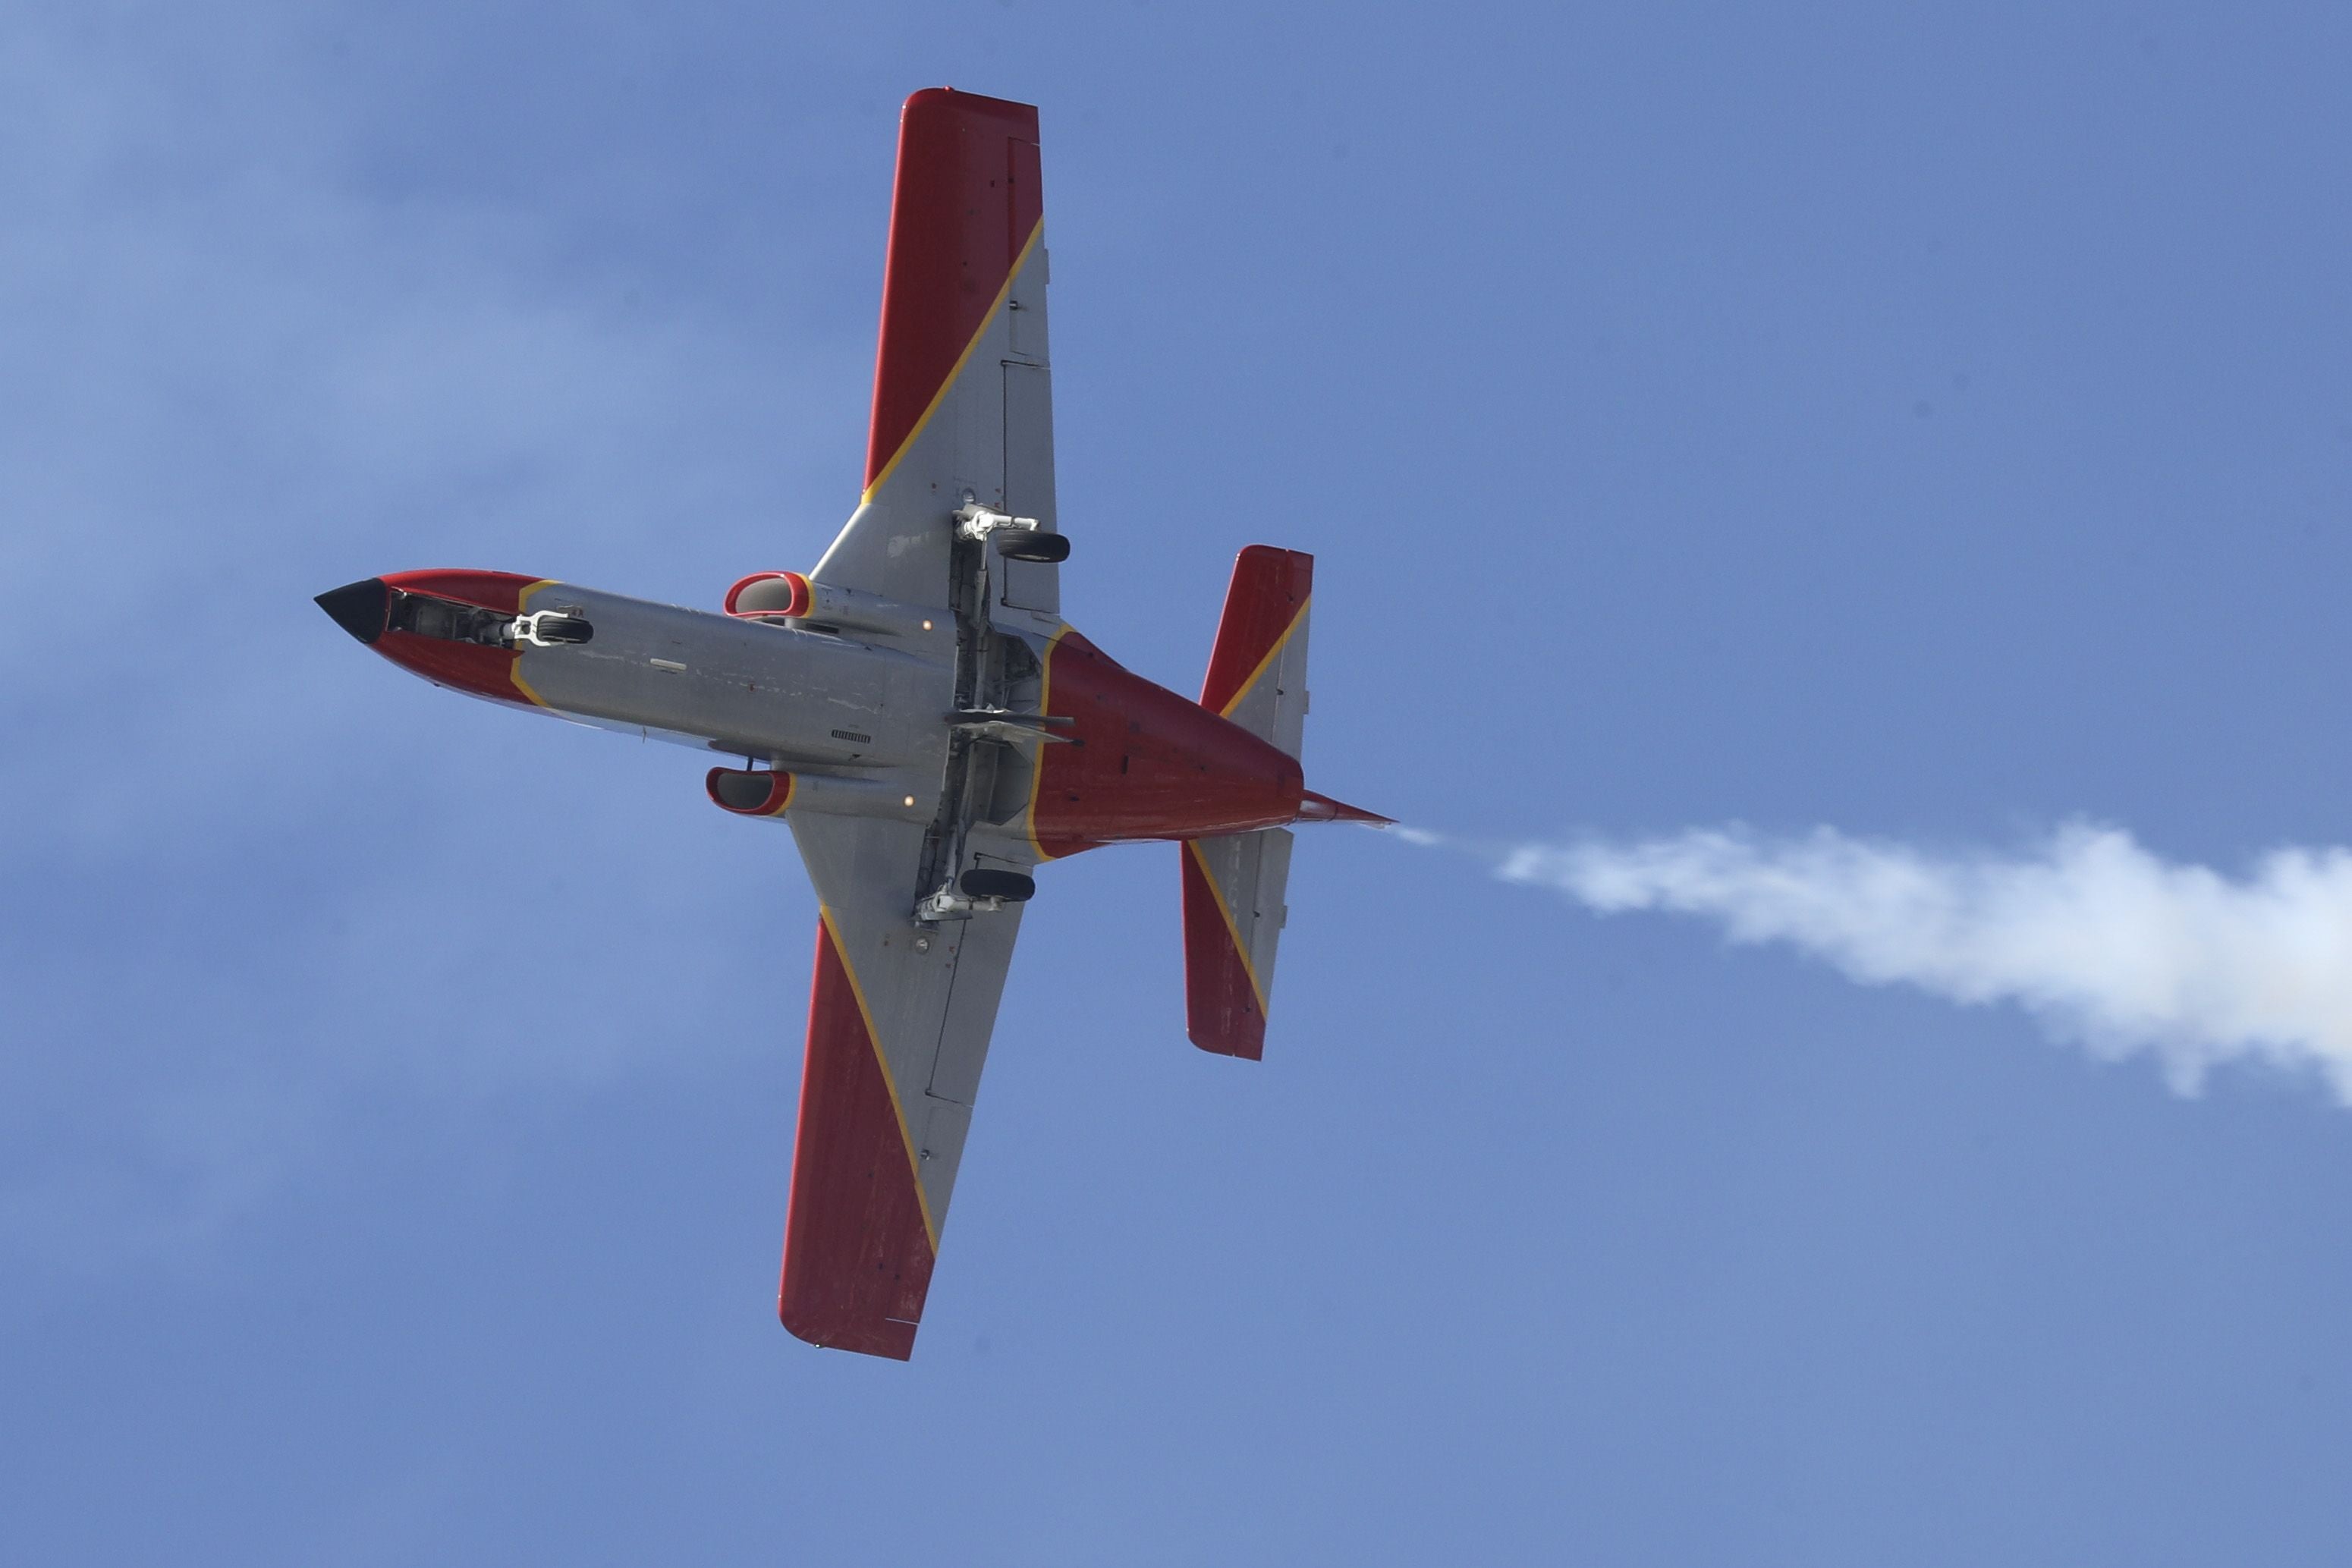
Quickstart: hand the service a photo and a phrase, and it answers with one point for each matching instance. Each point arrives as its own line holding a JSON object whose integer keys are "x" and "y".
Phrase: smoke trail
{"x": 2104, "y": 942}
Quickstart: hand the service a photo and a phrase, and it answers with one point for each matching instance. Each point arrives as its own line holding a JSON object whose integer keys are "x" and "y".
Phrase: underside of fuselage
{"x": 1077, "y": 750}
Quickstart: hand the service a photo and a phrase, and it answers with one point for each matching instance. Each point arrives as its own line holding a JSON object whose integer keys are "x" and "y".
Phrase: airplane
{"x": 915, "y": 710}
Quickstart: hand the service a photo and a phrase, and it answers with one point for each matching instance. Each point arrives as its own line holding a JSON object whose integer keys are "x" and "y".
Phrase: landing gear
{"x": 549, "y": 629}
{"x": 980, "y": 891}
{"x": 996, "y": 677}
{"x": 1034, "y": 544}
{"x": 1014, "y": 539}
{"x": 1004, "y": 887}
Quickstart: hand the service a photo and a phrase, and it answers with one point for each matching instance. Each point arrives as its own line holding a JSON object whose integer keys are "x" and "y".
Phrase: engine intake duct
{"x": 750, "y": 792}
{"x": 770, "y": 792}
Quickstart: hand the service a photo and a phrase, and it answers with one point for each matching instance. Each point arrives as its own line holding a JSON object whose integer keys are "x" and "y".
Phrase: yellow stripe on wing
{"x": 897, "y": 1107}
{"x": 1232, "y": 926}
{"x": 1266, "y": 664}
{"x": 940, "y": 396}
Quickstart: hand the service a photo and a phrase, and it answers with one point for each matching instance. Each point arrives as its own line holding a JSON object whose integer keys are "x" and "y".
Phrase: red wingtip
{"x": 1315, "y": 807}
{"x": 969, "y": 196}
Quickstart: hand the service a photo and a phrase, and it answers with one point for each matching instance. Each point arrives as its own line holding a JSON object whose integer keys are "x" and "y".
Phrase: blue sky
{"x": 1939, "y": 428}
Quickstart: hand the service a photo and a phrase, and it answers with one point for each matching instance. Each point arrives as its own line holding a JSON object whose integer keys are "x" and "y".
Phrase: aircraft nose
{"x": 359, "y": 607}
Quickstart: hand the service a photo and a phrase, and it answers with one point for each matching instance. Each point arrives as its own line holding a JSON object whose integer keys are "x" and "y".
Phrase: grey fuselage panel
{"x": 796, "y": 697}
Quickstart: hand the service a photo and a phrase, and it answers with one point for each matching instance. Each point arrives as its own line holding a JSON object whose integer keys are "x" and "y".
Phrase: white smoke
{"x": 2103, "y": 941}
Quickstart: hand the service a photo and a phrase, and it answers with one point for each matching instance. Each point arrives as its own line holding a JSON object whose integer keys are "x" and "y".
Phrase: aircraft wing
{"x": 899, "y": 1017}
{"x": 963, "y": 404}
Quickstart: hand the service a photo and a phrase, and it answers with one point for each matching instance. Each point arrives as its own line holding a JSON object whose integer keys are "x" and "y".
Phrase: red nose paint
{"x": 483, "y": 670}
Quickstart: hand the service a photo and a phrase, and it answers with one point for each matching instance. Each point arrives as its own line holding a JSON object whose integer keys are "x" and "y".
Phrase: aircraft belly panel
{"x": 743, "y": 685}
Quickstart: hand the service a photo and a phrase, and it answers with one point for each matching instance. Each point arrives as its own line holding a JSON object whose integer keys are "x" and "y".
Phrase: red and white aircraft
{"x": 930, "y": 728}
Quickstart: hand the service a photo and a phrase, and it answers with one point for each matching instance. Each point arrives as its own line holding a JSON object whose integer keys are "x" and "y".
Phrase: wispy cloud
{"x": 240, "y": 369}
{"x": 2104, "y": 942}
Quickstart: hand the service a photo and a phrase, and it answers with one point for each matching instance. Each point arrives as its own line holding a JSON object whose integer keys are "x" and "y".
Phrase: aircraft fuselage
{"x": 1080, "y": 751}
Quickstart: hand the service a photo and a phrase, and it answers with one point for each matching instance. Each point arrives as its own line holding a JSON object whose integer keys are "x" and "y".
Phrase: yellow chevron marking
{"x": 1266, "y": 664}
{"x": 897, "y": 1108}
{"x": 514, "y": 671}
{"x": 1037, "y": 759}
{"x": 948, "y": 385}
{"x": 1232, "y": 926}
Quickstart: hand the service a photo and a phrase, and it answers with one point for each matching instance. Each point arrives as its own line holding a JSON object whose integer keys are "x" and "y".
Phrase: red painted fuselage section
{"x": 484, "y": 671}
{"x": 1145, "y": 763}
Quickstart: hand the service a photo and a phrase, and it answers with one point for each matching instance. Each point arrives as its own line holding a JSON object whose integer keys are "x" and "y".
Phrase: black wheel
{"x": 1032, "y": 544}
{"x": 1008, "y": 885}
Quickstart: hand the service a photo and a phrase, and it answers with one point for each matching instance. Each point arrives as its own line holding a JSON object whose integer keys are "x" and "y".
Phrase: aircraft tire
{"x": 1034, "y": 545}
{"x": 983, "y": 882}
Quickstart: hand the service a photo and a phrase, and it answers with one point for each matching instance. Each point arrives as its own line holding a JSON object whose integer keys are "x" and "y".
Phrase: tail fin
{"x": 1232, "y": 885}
{"x": 1257, "y": 671}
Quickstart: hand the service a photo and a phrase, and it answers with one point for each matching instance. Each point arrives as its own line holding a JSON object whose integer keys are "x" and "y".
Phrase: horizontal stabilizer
{"x": 1257, "y": 671}
{"x": 1234, "y": 915}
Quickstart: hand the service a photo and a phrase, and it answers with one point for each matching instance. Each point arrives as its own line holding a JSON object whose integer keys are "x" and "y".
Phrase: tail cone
{"x": 1323, "y": 808}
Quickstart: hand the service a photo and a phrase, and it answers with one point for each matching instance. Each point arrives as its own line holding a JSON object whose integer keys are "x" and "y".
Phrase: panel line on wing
{"x": 948, "y": 384}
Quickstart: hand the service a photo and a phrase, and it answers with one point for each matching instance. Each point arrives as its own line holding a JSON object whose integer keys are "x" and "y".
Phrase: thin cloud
{"x": 238, "y": 373}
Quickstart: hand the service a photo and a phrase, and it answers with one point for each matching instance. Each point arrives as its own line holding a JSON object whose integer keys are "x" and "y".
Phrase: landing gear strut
{"x": 981, "y": 721}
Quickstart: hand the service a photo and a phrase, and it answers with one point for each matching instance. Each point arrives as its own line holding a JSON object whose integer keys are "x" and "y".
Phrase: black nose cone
{"x": 359, "y": 609}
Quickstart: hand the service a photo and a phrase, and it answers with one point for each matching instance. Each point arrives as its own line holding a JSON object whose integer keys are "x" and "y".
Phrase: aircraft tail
{"x": 1232, "y": 918}
{"x": 1233, "y": 910}
{"x": 1257, "y": 671}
